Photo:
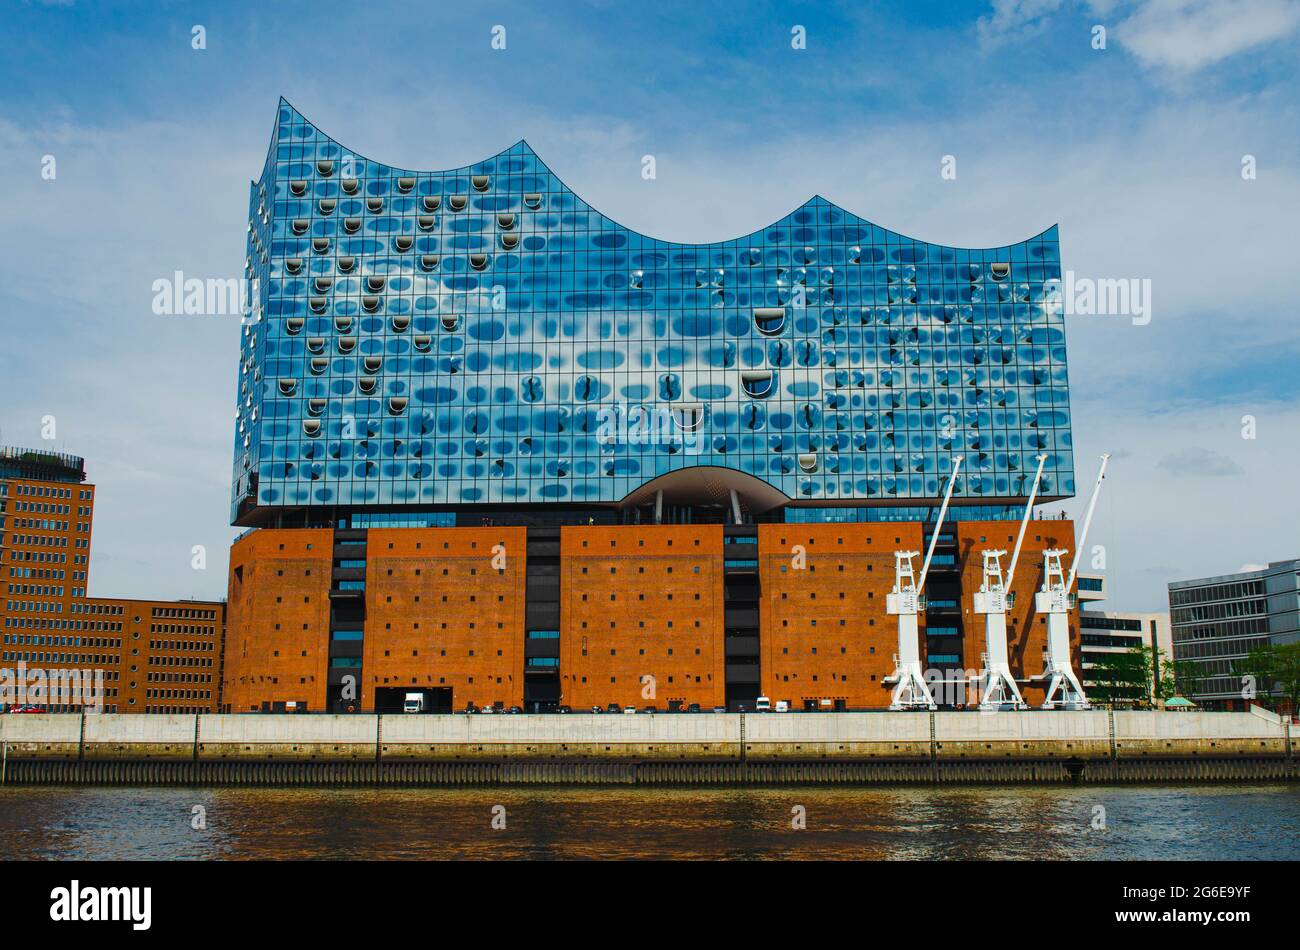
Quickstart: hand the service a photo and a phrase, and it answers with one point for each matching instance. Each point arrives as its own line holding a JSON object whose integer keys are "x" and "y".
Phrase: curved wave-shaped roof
{"x": 521, "y": 156}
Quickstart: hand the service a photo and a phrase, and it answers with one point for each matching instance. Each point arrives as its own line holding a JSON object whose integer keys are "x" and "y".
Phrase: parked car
{"x": 597, "y": 709}
{"x": 649, "y": 709}
{"x": 782, "y": 705}
{"x": 27, "y": 709}
{"x": 629, "y": 710}
{"x": 487, "y": 710}
{"x": 514, "y": 710}
{"x": 719, "y": 709}
{"x": 693, "y": 707}
{"x": 563, "y": 709}
{"x": 762, "y": 704}
{"x": 614, "y": 708}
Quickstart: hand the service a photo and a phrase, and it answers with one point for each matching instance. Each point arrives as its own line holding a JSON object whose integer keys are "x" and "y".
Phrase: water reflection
{"x": 923, "y": 823}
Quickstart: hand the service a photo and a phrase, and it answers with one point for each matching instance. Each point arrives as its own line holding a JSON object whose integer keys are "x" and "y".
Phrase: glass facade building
{"x": 483, "y": 337}
{"x": 1218, "y": 621}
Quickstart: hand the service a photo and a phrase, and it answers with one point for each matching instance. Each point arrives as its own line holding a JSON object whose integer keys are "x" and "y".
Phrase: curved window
{"x": 319, "y": 364}
{"x": 288, "y": 387}
{"x": 432, "y": 202}
{"x": 403, "y": 242}
{"x": 509, "y": 240}
{"x": 320, "y": 245}
{"x": 422, "y": 343}
{"x": 457, "y": 202}
{"x": 374, "y": 205}
{"x": 347, "y": 344}
{"x": 318, "y": 304}
{"x": 450, "y": 321}
{"x": 374, "y": 283}
{"x": 429, "y": 262}
{"x": 293, "y": 265}
{"x": 349, "y": 186}
{"x": 480, "y": 182}
{"x": 342, "y": 324}
{"x": 769, "y": 320}
{"x": 396, "y": 405}
{"x": 478, "y": 261}
{"x": 401, "y": 322}
{"x": 352, "y": 225}
{"x": 325, "y": 168}
{"x": 505, "y": 221}
{"x": 404, "y": 185}
{"x": 533, "y": 200}
{"x": 999, "y": 271}
{"x": 372, "y": 363}
{"x": 427, "y": 222}
{"x": 311, "y": 428}
{"x": 300, "y": 225}
{"x": 327, "y": 205}
{"x": 758, "y": 383}
{"x": 346, "y": 264}
{"x": 324, "y": 284}
{"x": 316, "y": 406}
{"x": 808, "y": 462}
{"x": 370, "y": 303}
{"x": 298, "y": 188}
{"x": 316, "y": 344}
{"x": 367, "y": 384}
{"x": 688, "y": 416}
{"x": 293, "y": 325}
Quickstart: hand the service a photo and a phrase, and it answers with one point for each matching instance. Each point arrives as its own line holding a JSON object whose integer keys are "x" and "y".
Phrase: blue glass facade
{"x": 482, "y": 336}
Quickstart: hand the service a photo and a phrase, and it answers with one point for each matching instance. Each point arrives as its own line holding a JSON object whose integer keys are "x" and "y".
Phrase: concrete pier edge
{"x": 1086, "y": 746}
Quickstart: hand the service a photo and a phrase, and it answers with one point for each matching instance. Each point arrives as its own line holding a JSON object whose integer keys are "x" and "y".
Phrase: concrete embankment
{"x": 1032, "y": 746}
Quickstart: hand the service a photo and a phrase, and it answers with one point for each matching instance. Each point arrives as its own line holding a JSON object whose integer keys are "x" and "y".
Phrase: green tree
{"x": 1181, "y": 678}
{"x": 1122, "y": 678}
{"x": 1276, "y": 669}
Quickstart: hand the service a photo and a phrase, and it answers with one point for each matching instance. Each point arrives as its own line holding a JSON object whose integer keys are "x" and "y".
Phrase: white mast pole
{"x": 1024, "y": 522}
{"x": 943, "y": 510}
{"x": 1087, "y": 523}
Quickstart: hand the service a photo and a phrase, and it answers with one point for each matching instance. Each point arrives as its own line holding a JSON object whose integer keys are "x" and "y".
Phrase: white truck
{"x": 414, "y": 703}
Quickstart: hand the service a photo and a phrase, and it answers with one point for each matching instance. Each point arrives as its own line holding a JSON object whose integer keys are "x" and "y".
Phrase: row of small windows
{"x": 1203, "y": 595}
{"x": 44, "y": 491}
{"x": 1224, "y": 628}
{"x": 1219, "y": 648}
{"x": 1218, "y": 611}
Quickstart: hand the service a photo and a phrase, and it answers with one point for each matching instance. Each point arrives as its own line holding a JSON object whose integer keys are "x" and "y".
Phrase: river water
{"x": 1246, "y": 822}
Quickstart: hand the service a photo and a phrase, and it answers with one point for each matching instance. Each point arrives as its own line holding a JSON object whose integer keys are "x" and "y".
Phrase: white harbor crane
{"x": 992, "y": 600}
{"x": 904, "y": 602}
{"x": 1064, "y": 690}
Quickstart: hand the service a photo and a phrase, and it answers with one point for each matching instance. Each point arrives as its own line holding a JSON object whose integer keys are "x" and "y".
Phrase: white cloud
{"x": 1014, "y": 20}
{"x": 1188, "y": 35}
{"x": 1198, "y": 462}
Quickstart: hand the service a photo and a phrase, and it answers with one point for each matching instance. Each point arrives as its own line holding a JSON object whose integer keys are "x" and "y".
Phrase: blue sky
{"x": 1136, "y": 150}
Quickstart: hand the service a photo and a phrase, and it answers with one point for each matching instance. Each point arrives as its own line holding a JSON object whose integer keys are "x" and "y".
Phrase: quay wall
{"x": 771, "y": 747}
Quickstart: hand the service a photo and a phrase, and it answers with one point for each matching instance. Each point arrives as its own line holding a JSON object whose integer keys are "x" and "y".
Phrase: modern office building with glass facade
{"x": 479, "y": 349}
{"x": 1217, "y": 621}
